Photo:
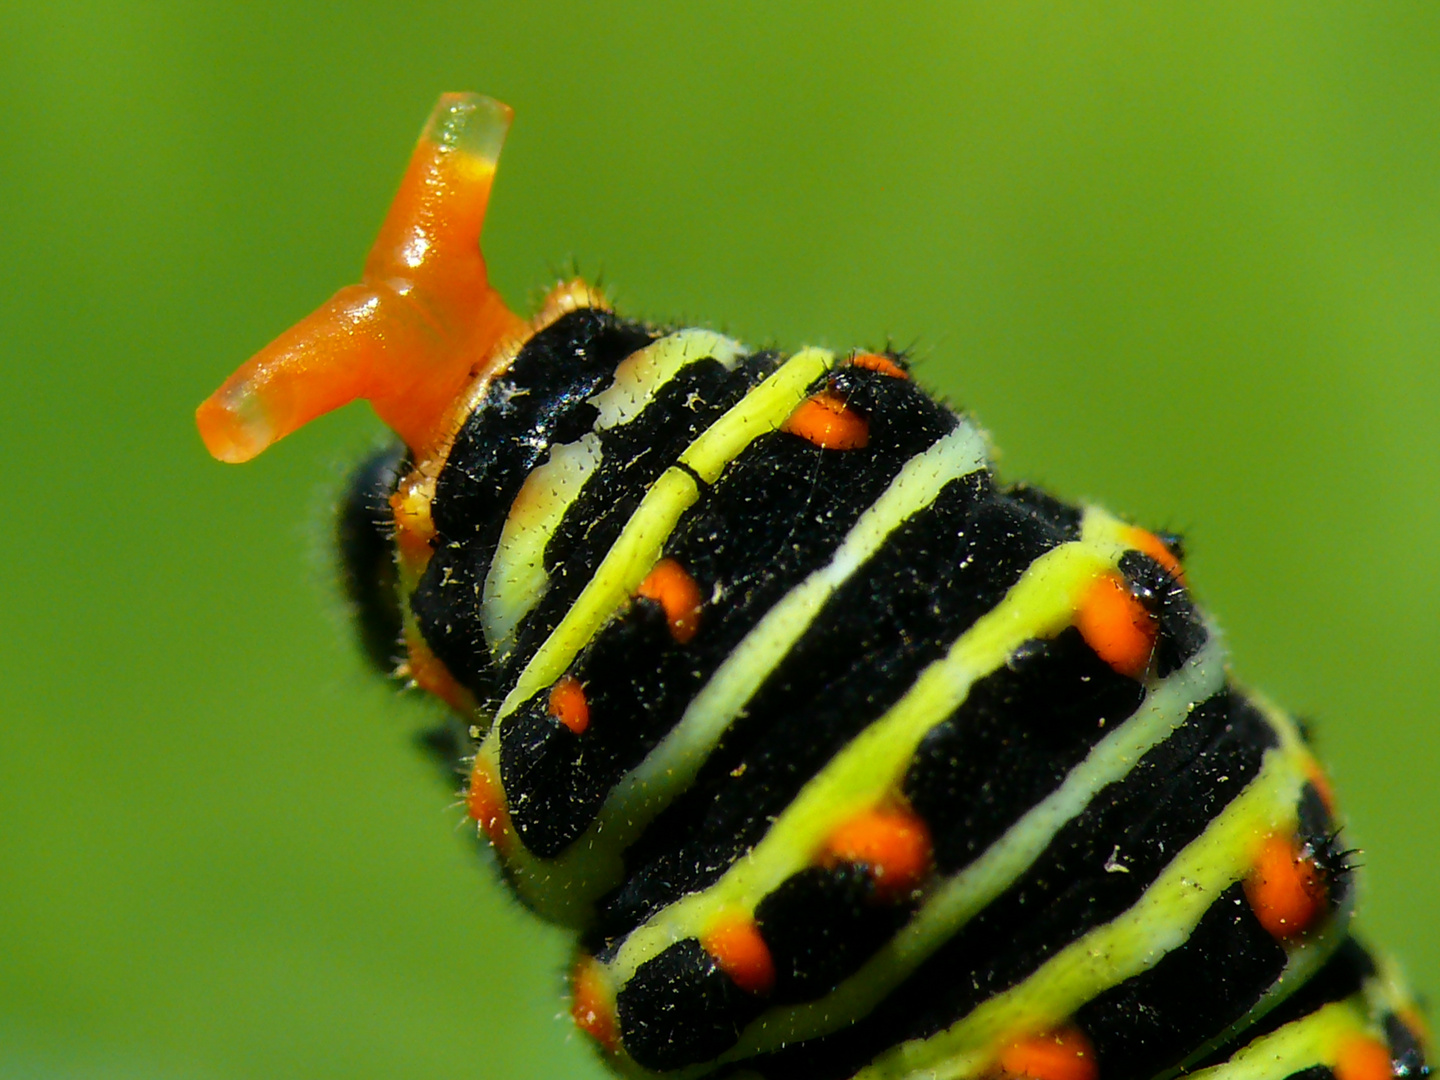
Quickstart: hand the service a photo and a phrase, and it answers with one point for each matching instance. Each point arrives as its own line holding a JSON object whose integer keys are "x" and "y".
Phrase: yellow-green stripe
{"x": 1160, "y": 921}
{"x": 959, "y": 898}
{"x": 1041, "y": 604}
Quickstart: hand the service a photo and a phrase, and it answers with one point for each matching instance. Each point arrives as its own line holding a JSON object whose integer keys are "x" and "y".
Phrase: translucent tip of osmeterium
{"x": 234, "y": 425}
{"x": 472, "y": 124}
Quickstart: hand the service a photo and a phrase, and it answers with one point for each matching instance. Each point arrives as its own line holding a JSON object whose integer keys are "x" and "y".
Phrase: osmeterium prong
{"x": 422, "y": 322}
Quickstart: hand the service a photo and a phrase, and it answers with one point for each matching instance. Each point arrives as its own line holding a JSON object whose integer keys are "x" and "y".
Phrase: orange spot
{"x": 1147, "y": 543}
{"x": 670, "y": 586}
{"x": 734, "y": 942}
{"x": 1315, "y": 773}
{"x": 1363, "y": 1058}
{"x": 825, "y": 420}
{"x": 1285, "y": 888}
{"x": 1117, "y": 626}
{"x": 876, "y": 362}
{"x": 421, "y": 324}
{"x": 568, "y": 704}
{"x": 485, "y": 803}
{"x": 1063, "y": 1054}
{"x": 591, "y": 1004}
{"x": 429, "y": 673}
{"x": 893, "y": 843}
{"x": 565, "y": 297}
{"x": 414, "y": 527}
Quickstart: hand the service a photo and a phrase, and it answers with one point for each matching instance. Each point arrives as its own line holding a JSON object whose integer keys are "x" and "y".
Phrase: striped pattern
{"x": 893, "y": 646}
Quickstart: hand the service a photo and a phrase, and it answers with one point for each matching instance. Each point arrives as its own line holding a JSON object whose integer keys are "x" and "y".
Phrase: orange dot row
{"x": 1286, "y": 890}
{"x": 1066, "y": 1053}
{"x": 892, "y": 843}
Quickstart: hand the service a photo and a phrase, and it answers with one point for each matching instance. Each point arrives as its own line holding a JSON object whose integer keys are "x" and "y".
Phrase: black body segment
{"x": 634, "y": 456}
{"x": 540, "y": 401}
{"x": 935, "y": 577}
{"x": 1156, "y": 1020}
{"x": 741, "y": 540}
{"x": 680, "y": 1008}
{"x": 1019, "y": 733}
{"x": 822, "y": 924}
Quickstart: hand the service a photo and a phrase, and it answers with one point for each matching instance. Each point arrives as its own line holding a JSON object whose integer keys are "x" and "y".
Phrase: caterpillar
{"x": 839, "y": 756}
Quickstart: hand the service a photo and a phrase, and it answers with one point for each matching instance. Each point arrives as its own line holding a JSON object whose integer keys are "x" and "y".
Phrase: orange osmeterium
{"x": 1363, "y": 1057}
{"x": 894, "y": 843}
{"x": 825, "y": 420}
{"x": 672, "y": 587}
{"x": 1063, "y": 1054}
{"x": 879, "y": 363}
{"x": 421, "y": 324}
{"x": 1116, "y": 625}
{"x": 591, "y": 1005}
{"x": 734, "y": 941}
{"x": 568, "y": 704}
{"x": 1285, "y": 887}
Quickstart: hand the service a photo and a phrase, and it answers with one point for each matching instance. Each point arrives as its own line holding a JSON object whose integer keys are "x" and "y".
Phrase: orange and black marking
{"x": 485, "y": 803}
{"x": 883, "y": 363}
{"x": 1116, "y": 625}
{"x": 828, "y": 421}
{"x": 1064, "y": 1053}
{"x": 828, "y": 744}
{"x": 892, "y": 845}
{"x": 569, "y": 706}
{"x": 592, "y": 1004}
{"x": 679, "y": 597}
{"x": 736, "y": 945}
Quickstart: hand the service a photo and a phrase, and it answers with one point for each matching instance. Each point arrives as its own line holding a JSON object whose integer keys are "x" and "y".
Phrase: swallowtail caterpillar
{"x": 839, "y": 756}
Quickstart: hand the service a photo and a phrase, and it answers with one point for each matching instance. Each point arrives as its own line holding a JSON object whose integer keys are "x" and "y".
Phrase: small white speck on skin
{"x": 1113, "y": 865}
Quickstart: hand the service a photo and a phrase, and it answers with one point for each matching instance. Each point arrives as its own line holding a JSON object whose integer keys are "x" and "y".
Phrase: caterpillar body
{"x": 841, "y": 757}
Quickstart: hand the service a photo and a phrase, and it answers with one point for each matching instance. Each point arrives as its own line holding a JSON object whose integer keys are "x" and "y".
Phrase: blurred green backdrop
{"x": 1184, "y": 259}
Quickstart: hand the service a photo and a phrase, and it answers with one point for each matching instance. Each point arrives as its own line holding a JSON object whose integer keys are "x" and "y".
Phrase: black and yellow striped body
{"x": 891, "y": 794}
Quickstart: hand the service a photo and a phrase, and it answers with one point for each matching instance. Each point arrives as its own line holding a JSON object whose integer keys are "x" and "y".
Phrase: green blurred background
{"x": 1182, "y": 259}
